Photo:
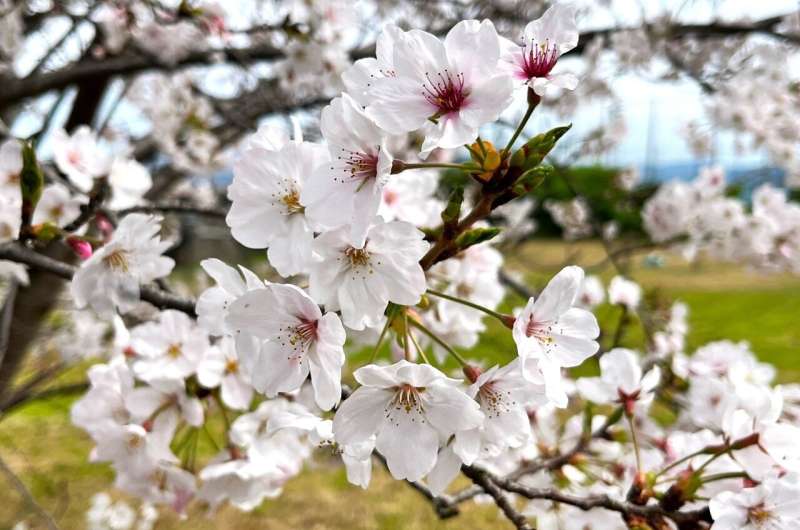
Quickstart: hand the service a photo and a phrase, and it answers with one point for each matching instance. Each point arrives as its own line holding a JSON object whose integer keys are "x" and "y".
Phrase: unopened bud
{"x": 81, "y": 247}
{"x": 472, "y": 372}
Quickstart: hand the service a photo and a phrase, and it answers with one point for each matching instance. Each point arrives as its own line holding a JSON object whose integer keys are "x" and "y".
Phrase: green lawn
{"x": 50, "y": 455}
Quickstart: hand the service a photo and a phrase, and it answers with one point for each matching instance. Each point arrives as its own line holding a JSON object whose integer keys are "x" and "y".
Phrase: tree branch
{"x": 481, "y": 478}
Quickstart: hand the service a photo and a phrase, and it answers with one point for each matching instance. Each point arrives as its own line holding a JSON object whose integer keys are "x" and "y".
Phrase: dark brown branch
{"x": 482, "y": 479}
{"x": 132, "y": 63}
{"x": 156, "y": 297}
{"x": 175, "y": 208}
{"x": 600, "y": 501}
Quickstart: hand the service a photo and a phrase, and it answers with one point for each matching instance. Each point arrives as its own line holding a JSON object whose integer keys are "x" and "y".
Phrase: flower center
{"x": 359, "y": 257}
{"x": 495, "y": 400}
{"x": 57, "y": 211}
{"x": 134, "y": 441}
{"x": 538, "y": 59}
{"x": 445, "y": 91}
{"x": 358, "y": 167}
{"x": 758, "y": 515}
{"x": 292, "y": 202}
{"x": 174, "y": 351}
{"x": 117, "y": 260}
{"x": 539, "y": 330}
{"x": 231, "y": 366}
{"x": 305, "y": 332}
{"x": 406, "y": 398}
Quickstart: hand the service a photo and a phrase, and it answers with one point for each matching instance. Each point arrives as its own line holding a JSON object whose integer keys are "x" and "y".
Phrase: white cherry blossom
{"x": 621, "y": 381}
{"x": 347, "y": 189}
{"x": 299, "y": 340}
{"x": 220, "y": 367}
{"x": 80, "y": 157}
{"x": 542, "y": 42}
{"x": 448, "y": 89}
{"x": 552, "y": 334}
{"x": 266, "y": 209}
{"x": 110, "y": 279}
{"x": 410, "y": 407}
{"x": 362, "y": 281}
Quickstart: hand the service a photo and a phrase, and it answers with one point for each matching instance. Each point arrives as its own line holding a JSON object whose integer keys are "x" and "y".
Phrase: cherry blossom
{"x": 80, "y": 157}
{"x": 551, "y": 333}
{"x": 360, "y": 282}
{"x": 267, "y": 211}
{"x": 347, "y": 190}
{"x": 621, "y": 381}
{"x": 542, "y": 42}
{"x": 110, "y": 279}
{"x": 220, "y": 367}
{"x": 774, "y": 504}
{"x": 170, "y": 348}
{"x": 404, "y": 402}
{"x": 299, "y": 340}
{"x": 449, "y": 89}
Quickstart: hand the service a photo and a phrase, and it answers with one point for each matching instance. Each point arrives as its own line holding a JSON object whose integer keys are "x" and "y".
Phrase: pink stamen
{"x": 446, "y": 93}
{"x": 538, "y": 60}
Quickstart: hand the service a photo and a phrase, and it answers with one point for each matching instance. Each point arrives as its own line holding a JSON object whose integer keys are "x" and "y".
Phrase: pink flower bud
{"x": 81, "y": 247}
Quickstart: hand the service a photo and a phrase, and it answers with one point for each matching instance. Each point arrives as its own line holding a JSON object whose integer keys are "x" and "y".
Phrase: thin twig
{"x": 27, "y": 497}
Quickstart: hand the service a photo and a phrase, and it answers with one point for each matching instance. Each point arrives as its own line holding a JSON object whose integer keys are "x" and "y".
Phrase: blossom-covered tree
{"x": 120, "y": 129}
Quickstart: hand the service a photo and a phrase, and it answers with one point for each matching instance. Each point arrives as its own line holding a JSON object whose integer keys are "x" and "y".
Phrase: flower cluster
{"x": 699, "y": 216}
{"x": 358, "y": 337}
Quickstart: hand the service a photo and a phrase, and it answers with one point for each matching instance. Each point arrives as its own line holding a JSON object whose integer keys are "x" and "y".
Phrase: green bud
{"x": 476, "y": 236}
{"x": 31, "y": 179}
{"x": 452, "y": 211}
{"x": 46, "y": 232}
{"x": 531, "y": 179}
{"x": 540, "y": 146}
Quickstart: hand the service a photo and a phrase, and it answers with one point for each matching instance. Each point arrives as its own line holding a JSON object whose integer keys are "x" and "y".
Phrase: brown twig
{"x": 17, "y": 484}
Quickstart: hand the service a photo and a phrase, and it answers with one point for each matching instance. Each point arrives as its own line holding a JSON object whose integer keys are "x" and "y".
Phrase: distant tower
{"x": 651, "y": 151}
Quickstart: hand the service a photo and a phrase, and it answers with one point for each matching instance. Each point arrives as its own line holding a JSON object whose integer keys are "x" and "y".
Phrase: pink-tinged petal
{"x": 398, "y": 106}
{"x": 488, "y": 100}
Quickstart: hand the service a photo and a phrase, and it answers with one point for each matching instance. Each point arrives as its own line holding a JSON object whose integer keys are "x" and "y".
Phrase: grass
{"x": 51, "y": 456}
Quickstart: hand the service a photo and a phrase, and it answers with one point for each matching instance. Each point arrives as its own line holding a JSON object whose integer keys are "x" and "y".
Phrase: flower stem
{"x": 440, "y": 342}
{"x": 532, "y": 103}
{"x": 398, "y": 166}
{"x": 467, "y": 303}
{"x": 635, "y": 440}
{"x": 724, "y": 476}
{"x": 380, "y": 339}
{"x": 420, "y": 351}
